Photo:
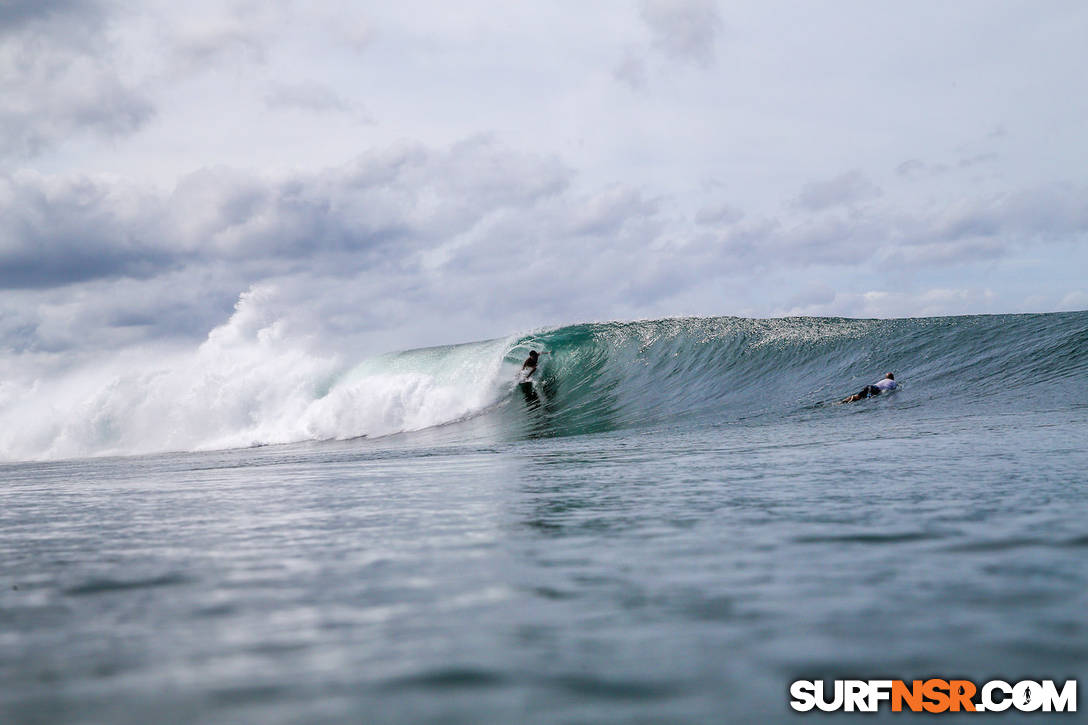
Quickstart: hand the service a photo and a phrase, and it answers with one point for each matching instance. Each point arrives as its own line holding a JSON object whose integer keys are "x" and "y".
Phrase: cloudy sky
{"x": 386, "y": 175}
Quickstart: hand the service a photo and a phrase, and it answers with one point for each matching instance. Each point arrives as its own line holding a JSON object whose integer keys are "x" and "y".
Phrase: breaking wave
{"x": 597, "y": 377}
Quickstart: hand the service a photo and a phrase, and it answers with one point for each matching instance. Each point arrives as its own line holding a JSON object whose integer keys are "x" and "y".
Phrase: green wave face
{"x": 604, "y": 376}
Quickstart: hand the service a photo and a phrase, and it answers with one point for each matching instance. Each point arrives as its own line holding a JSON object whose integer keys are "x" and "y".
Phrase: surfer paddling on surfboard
{"x": 885, "y": 385}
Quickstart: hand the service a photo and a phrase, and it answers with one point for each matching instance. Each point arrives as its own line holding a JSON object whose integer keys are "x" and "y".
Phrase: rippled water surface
{"x": 658, "y": 574}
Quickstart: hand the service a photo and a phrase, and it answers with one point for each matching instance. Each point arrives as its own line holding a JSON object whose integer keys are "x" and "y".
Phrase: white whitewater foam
{"x": 248, "y": 383}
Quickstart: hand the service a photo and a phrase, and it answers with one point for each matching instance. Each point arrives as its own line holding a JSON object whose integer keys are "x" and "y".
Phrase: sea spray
{"x": 250, "y": 383}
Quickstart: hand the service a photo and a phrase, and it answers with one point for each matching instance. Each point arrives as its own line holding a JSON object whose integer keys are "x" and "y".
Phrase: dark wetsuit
{"x": 869, "y": 390}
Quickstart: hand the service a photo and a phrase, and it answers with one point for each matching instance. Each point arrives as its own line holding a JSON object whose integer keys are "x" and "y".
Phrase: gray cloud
{"x": 374, "y": 247}
{"x": 631, "y": 71}
{"x": 915, "y": 168}
{"x": 54, "y": 233}
{"x": 967, "y": 250}
{"x": 848, "y": 188}
{"x": 684, "y": 29}
{"x": 17, "y": 15}
{"x": 377, "y": 209}
{"x": 606, "y": 212}
{"x": 386, "y": 237}
{"x": 195, "y": 52}
{"x": 965, "y": 231}
{"x": 723, "y": 213}
{"x": 110, "y": 314}
{"x": 1048, "y": 211}
{"x": 813, "y": 295}
{"x": 978, "y": 159}
{"x": 306, "y": 96}
{"x": 58, "y": 78}
{"x": 910, "y": 167}
{"x": 229, "y": 35}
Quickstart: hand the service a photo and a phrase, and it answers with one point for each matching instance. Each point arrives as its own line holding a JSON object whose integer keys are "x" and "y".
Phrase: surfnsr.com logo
{"x": 933, "y": 695}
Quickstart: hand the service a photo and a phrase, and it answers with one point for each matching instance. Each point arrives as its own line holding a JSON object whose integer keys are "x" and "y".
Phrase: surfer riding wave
{"x": 529, "y": 366}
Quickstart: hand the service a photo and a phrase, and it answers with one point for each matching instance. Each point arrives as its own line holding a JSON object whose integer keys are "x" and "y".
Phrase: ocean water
{"x": 671, "y": 526}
